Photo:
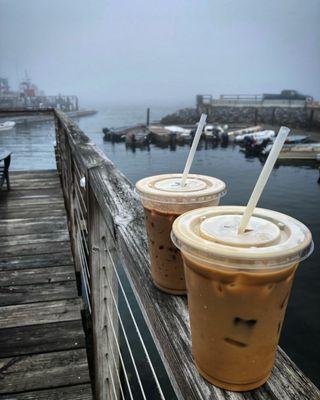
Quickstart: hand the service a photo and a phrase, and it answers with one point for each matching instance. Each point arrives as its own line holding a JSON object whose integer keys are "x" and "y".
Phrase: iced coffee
{"x": 238, "y": 289}
{"x": 164, "y": 199}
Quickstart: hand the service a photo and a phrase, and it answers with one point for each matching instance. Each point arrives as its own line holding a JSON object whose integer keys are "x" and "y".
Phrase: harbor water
{"x": 292, "y": 189}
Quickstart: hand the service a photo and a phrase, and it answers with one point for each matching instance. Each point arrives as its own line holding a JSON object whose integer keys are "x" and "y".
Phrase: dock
{"x": 304, "y": 151}
{"x": 40, "y": 118}
{"x": 42, "y": 341}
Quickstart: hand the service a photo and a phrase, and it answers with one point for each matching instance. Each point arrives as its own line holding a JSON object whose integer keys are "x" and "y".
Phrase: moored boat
{"x": 304, "y": 151}
{"x": 294, "y": 139}
{"x": 260, "y": 135}
{"x": 136, "y": 137}
{"x": 6, "y": 126}
{"x": 251, "y": 129}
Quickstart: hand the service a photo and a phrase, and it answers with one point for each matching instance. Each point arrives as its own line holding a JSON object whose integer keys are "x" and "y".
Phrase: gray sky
{"x": 162, "y": 50}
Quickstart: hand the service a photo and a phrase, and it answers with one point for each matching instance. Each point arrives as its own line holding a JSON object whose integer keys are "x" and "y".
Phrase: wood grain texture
{"x": 43, "y": 338}
{"x": 25, "y": 226}
{"x": 39, "y": 313}
{"x": 34, "y": 238}
{"x": 37, "y": 275}
{"x": 36, "y": 260}
{"x": 76, "y": 392}
{"x": 166, "y": 316}
{"x": 23, "y": 294}
{"x": 35, "y": 247}
{"x": 41, "y": 371}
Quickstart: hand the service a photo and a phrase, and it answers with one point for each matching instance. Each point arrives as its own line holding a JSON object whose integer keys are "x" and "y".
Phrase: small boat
{"x": 250, "y": 129}
{"x": 137, "y": 138}
{"x": 304, "y": 151}
{"x": 177, "y": 129}
{"x": 185, "y": 137}
{"x": 6, "y": 126}
{"x": 256, "y": 146}
{"x": 119, "y": 134}
{"x": 268, "y": 134}
{"x": 294, "y": 139}
{"x": 213, "y": 131}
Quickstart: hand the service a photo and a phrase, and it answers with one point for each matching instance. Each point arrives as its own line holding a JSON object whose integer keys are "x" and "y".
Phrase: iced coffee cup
{"x": 238, "y": 288}
{"x": 164, "y": 199}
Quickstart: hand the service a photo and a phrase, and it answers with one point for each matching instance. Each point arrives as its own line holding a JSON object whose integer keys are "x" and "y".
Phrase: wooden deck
{"x": 42, "y": 342}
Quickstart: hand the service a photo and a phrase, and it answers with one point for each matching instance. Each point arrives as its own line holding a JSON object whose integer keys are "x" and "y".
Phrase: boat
{"x": 119, "y": 134}
{"x": 186, "y": 137}
{"x": 260, "y": 135}
{"x": 256, "y": 146}
{"x": 304, "y": 151}
{"x": 176, "y": 129}
{"x": 251, "y": 129}
{"x": 294, "y": 139}
{"x": 6, "y": 126}
{"x": 136, "y": 137}
{"x": 214, "y": 131}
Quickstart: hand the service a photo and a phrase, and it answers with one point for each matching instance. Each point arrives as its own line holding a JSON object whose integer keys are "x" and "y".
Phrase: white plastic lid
{"x": 271, "y": 240}
{"x": 167, "y": 188}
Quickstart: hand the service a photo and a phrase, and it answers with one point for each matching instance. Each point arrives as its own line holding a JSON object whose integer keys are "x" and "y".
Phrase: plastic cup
{"x": 164, "y": 199}
{"x": 238, "y": 289}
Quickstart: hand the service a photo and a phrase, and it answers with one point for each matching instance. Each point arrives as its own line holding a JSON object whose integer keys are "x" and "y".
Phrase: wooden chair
{"x": 5, "y": 159}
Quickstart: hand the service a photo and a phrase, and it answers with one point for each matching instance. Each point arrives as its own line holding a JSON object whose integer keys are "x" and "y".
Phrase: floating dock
{"x": 308, "y": 151}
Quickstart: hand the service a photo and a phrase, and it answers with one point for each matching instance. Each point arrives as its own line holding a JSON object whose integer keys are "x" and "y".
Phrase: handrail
{"x": 112, "y": 231}
{"x": 166, "y": 316}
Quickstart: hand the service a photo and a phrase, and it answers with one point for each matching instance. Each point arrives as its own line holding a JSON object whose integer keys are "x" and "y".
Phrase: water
{"x": 292, "y": 189}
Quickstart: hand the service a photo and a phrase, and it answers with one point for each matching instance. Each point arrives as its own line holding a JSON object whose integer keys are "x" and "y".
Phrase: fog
{"x": 128, "y": 51}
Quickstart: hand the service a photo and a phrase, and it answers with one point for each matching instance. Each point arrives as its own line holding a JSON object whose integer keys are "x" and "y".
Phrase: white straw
{"x": 263, "y": 178}
{"x": 193, "y": 148}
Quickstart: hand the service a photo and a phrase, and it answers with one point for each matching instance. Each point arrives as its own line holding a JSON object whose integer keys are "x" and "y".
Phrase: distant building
{"x": 30, "y": 96}
{"x": 286, "y": 98}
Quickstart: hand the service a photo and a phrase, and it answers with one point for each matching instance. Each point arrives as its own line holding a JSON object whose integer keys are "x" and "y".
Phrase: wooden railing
{"x": 107, "y": 228}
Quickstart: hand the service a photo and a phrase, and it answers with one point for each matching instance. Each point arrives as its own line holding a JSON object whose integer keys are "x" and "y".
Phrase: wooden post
{"x": 311, "y": 117}
{"x": 103, "y": 291}
{"x": 148, "y": 116}
{"x": 273, "y": 115}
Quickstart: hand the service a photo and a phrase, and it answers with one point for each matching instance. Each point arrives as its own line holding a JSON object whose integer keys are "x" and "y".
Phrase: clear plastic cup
{"x": 238, "y": 288}
{"x": 164, "y": 200}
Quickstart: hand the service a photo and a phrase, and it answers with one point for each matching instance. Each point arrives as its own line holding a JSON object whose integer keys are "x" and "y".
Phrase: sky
{"x": 166, "y": 51}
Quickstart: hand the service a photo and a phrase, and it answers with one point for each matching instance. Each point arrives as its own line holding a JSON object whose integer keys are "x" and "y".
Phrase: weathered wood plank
{"x": 23, "y": 294}
{"x": 9, "y": 207}
{"x": 34, "y": 212}
{"x": 37, "y": 275}
{"x": 29, "y": 226}
{"x": 78, "y": 392}
{"x": 28, "y": 193}
{"x": 44, "y": 173}
{"x": 31, "y": 202}
{"x": 35, "y": 238}
{"x": 36, "y": 261}
{"x": 34, "y": 248}
{"x": 55, "y": 235}
{"x": 41, "y": 338}
{"x": 40, "y": 371}
{"x": 39, "y": 313}
{"x": 36, "y": 184}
